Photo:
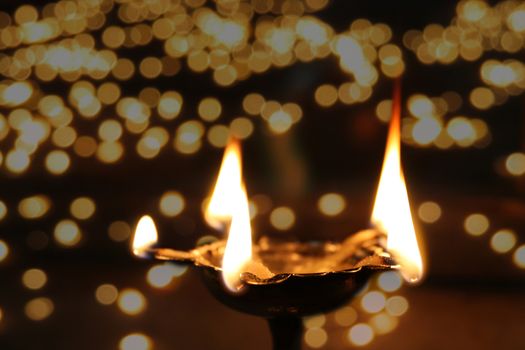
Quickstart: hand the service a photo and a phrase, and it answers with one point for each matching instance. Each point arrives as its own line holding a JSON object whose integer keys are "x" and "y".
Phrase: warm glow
{"x": 34, "y": 279}
{"x": 361, "y": 334}
{"x": 229, "y": 202}
{"x": 39, "y": 309}
{"x": 145, "y": 235}
{"x": 106, "y": 294}
{"x": 4, "y": 250}
{"x": 238, "y": 250}
{"x": 220, "y": 208}
{"x": 131, "y": 302}
{"x": 391, "y": 211}
{"x": 136, "y": 341}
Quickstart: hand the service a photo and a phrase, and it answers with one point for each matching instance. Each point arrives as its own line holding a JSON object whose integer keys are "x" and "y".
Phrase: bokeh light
{"x": 82, "y": 208}
{"x": 397, "y": 305}
{"x": 4, "y": 250}
{"x": 136, "y": 341}
{"x": 331, "y": 204}
{"x": 390, "y": 281}
{"x": 171, "y": 204}
{"x": 119, "y": 231}
{"x": 383, "y": 323}
{"x": 131, "y": 301}
{"x": 519, "y": 257}
{"x": 515, "y": 164}
{"x": 210, "y": 109}
{"x": 34, "y": 279}
{"x": 373, "y": 302}
{"x": 346, "y": 316}
{"x": 67, "y": 233}
{"x": 3, "y": 210}
{"x": 106, "y": 294}
{"x": 316, "y": 321}
{"x": 315, "y": 337}
{"x": 282, "y": 218}
{"x": 503, "y": 241}
{"x": 361, "y": 334}
{"x": 161, "y": 276}
{"x": 476, "y": 224}
{"x": 39, "y": 309}
{"x": 429, "y": 212}
{"x": 34, "y": 207}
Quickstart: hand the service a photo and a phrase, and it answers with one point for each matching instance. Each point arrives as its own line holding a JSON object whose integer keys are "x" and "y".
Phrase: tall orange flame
{"x": 221, "y": 207}
{"x": 229, "y": 204}
{"x": 392, "y": 212}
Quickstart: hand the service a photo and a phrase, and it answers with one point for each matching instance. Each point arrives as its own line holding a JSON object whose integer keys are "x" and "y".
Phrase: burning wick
{"x": 145, "y": 236}
{"x": 310, "y": 278}
{"x": 391, "y": 212}
{"x": 228, "y": 209}
{"x": 229, "y": 204}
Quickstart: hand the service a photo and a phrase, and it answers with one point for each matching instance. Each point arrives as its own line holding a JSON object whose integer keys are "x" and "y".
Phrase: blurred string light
{"x": 119, "y": 231}
{"x": 131, "y": 301}
{"x": 34, "y": 279}
{"x": 429, "y": 212}
{"x": 331, "y": 204}
{"x": 476, "y": 224}
{"x": 515, "y": 164}
{"x": 106, "y": 294}
{"x": 502, "y": 241}
{"x": 50, "y": 45}
{"x": 3, "y": 210}
{"x": 57, "y": 43}
{"x": 427, "y": 125}
{"x": 4, "y": 250}
{"x": 82, "y": 208}
{"x": 282, "y": 218}
{"x": 477, "y": 28}
{"x": 519, "y": 257}
{"x": 34, "y": 207}
{"x": 161, "y": 276}
{"x": 136, "y": 341}
{"x": 67, "y": 233}
{"x": 171, "y": 203}
{"x": 39, "y": 309}
{"x": 279, "y": 117}
{"x": 374, "y": 312}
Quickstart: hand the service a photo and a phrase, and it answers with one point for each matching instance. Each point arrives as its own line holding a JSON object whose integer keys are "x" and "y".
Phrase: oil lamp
{"x": 281, "y": 280}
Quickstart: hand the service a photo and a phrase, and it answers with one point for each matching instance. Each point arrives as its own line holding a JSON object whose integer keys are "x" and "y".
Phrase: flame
{"x": 230, "y": 202}
{"x": 238, "y": 250}
{"x": 221, "y": 206}
{"x": 391, "y": 211}
{"x": 145, "y": 236}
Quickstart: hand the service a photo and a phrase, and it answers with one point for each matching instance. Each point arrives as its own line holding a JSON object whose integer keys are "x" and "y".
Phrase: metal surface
{"x": 308, "y": 278}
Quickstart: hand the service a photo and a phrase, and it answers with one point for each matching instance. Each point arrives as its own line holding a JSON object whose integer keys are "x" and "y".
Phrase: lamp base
{"x": 286, "y": 332}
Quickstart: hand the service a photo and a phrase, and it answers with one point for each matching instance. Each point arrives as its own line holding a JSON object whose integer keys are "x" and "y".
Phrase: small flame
{"x": 145, "y": 236}
{"x": 391, "y": 211}
{"x": 221, "y": 206}
{"x": 238, "y": 252}
{"x": 229, "y": 204}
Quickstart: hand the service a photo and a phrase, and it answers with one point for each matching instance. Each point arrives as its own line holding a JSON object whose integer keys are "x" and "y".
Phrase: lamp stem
{"x": 286, "y": 332}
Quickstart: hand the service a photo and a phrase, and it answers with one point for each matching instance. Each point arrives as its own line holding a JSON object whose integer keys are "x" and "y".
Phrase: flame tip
{"x": 228, "y": 206}
{"x": 392, "y": 213}
{"x": 145, "y": 236}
